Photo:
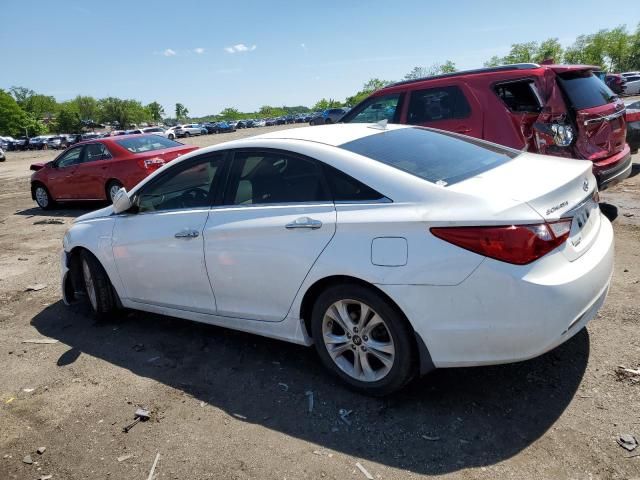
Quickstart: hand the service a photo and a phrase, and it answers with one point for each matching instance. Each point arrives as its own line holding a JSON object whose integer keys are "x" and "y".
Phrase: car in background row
{"x": 561, "y": 110}
{"x": 2, "y": 156}
{"x": 632, "y": 86}
{"x": 332, "y": 115}
{"x": 96, "y": 170}
{"x": 632, "y": 116}
{"x": 218, "y": 127}
{"x": 615, "y": 81}
{"x": 189, "y": 129}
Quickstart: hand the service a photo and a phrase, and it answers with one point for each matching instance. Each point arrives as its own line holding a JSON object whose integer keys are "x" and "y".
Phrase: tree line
{"x": 23, "y": 111}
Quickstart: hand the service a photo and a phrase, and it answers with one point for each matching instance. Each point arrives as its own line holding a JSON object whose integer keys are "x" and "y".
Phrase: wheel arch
{"x": 73, "y": 282}
{"x": 313, "y": 292}
{"x": 34, "y": 185}
{"x": 106, "y": 186}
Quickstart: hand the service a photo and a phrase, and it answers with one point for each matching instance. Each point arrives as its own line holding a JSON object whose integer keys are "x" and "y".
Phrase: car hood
{"x": 103, "y": 212}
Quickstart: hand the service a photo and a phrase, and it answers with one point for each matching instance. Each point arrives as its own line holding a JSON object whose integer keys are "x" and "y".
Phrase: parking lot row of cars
{"x": 627, "y": 83}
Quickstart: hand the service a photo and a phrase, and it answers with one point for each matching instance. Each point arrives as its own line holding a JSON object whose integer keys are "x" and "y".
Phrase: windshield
{"x": 147, "y": 143}
{"x": 585, "y": 90}
{"x": 435, "y": 156}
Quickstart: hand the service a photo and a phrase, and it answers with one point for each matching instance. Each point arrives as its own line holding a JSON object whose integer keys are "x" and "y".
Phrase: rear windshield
{"x": 147, "y": 143}
{"x": 437, "y": 157}
{"x": 585, "y": 90}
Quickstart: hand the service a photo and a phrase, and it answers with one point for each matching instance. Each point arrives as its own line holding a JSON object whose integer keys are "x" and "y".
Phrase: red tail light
{"x": 517, "y": 244}
{"x": 151, "y": 163}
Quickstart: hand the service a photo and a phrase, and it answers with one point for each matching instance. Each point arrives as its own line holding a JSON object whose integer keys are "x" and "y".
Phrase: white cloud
{"x": 169, "y": 53}
{"x": 239, "y": 48}
{"x": 199, "y": 50}
{"x": 303, "y": 46}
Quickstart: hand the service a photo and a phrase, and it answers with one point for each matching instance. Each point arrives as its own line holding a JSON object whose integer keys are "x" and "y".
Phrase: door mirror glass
{"x": 121, "y": 201}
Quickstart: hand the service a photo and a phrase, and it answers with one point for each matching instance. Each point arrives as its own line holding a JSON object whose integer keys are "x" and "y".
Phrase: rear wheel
{"x": 363, "y": 339}
{"x": 97, "y": 285}
{"x": 112, "y": 189}
{"x": 187, "y": 134}
{"x": 43, "y": 198}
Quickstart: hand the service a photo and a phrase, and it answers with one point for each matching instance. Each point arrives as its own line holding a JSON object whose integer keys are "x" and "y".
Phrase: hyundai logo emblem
{"x": 585, "y": 185}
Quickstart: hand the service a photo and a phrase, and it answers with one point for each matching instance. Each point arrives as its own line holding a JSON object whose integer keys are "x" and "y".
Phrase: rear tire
{"x": 97, "y": 285}
{"x": 43, "y": 197}
{"x": 187, "y": 134}
{"x": 363, "y": 339}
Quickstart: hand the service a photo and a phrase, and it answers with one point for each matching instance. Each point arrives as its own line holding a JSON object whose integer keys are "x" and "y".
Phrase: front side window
{"x": 272, "y": 177}
{"x": 147, "y": 143}
{"x": 376, "y": 109}
{"x": 187, "y": 185}
{"x": 436, "y": 104}
{"x": 519, "y": 96}
{"x": 72, "y": 157}
{"x": 437, "y": 157}
{"x": 96, "y": 151}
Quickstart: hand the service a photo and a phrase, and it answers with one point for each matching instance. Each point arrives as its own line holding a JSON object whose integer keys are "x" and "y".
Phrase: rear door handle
{"x": 187, "y": 234}
{"x": 304, "y": 222}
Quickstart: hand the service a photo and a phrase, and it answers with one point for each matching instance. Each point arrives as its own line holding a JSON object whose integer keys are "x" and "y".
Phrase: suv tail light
{"x": 516, "y": 244}
{"x": 151, "y": 163}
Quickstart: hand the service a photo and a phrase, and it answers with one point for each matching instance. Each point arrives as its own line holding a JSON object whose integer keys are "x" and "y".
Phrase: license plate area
{"x": 584, "y": 224}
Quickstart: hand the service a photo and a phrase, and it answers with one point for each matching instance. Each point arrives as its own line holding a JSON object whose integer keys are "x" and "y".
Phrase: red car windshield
{"x": 147, "y": 143}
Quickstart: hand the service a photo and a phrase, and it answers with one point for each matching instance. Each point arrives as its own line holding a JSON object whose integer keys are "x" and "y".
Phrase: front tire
{"x": 97, "y": 285}
{"x": 112, "y": 189}
{"x": 187, "y": 134}
{"x": 363, "y": 339}
{"x": 43, "y": 197}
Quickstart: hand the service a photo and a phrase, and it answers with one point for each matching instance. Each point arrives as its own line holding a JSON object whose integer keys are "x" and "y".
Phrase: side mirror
{"x": 121, "y": 201}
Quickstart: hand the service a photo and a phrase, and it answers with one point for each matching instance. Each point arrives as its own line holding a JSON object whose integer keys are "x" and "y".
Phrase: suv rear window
{"x": 438, "y": 157}
{"x": 148, "y": 143}
{"x": 585, "y": 90}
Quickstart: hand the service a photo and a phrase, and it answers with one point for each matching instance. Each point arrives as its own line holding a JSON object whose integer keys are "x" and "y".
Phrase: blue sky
{"x": 210, "y": 55}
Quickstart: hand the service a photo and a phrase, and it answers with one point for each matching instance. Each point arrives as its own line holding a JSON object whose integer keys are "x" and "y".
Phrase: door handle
{"x": 304, "y": 222}
{"x": 187, "y": 234}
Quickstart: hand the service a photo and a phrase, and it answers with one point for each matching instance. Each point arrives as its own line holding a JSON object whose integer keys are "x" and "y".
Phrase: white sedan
{"x": 393, "y": 249}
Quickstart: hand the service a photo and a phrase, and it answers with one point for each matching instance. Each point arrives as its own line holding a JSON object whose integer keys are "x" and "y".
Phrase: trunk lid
{"x": 598, "y": 115}
{"x": 554, "y": 188}
{"x": 168, "y": 154}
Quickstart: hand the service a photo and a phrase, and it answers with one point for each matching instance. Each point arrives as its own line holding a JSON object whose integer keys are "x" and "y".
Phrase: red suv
{"x": 562, "y": 110}
{"x": 97, "y": 169}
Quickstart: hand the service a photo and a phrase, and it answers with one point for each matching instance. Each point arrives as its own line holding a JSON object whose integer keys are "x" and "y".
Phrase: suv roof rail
{"x": 501, "y": 68}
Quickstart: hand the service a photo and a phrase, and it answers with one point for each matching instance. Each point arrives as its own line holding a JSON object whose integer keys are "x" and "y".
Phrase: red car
{"x": 97, "y": 169}
{"x": 562, "y": 110}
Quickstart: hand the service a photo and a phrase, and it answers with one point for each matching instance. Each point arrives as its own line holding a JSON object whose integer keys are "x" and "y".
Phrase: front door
{"x": 158, "y": 249}
{"x": 259, "y": 246}
{"x": 61, "y": 180}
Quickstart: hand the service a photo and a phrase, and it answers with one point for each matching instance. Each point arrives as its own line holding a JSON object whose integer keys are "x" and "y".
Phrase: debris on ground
{"x": 322, "y": 453}
{"x": 430, "y": 439}
{"x": 43, "y": 341}
{"x": 344, "y": 413}
{"x": 364, "y": 471}
{"x": 141, "y": 415}
{"x": 41, "y": 450}
{"x": 627, "y": 441}
{"x": 49, "y": 221}
{"x": 28, "y": 390}
{"x": 35, "y": 287}
{"x": 624, "y": 373}
{"x": 309, "y": 395}
{"x": 22, "y": 259}
{"x": 284, "y": 386}
{"x": 27, "y": 459}
{"x": 46, "y": 477}
{"x": 153, "y": 467}
{"x": 122, "y": 458}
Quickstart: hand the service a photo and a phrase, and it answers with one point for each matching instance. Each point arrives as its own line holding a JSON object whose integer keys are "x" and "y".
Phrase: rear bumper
{"x": 613, "y": 169}
{"x": 504, "y": 313}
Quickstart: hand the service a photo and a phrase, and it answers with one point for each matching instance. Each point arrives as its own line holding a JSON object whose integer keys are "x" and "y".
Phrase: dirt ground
{"x": 228, "y": 405}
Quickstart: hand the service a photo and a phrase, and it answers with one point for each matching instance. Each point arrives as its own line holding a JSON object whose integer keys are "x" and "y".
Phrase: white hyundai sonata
{"x": 393, "y": 249}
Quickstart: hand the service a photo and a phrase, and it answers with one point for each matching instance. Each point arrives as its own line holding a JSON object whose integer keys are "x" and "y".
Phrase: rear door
{"x": 451, "y": 107}
{"x": 599, "y": 115}
{"x": 277, "y": 218}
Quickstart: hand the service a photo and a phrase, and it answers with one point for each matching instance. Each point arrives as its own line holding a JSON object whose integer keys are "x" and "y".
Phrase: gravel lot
{"x": 228, "y": 405}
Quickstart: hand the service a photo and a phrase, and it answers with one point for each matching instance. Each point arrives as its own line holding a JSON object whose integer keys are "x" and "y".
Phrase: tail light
{"x": 151, "y": 163}
{"x": 516, "y": 244}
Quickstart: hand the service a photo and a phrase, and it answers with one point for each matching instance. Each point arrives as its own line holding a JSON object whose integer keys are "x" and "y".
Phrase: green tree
{"x": 550, "y": 49}
{"x": 324, "y": 104}
{"x": 448, "y": 67}
{"x": 181, "y": 112}
{"x": 67, "y": 118}
{"x": 21, "y": 94}
{"x": 633, "y": 60}
{"x": 14, "y": 121}
{"x": 434, "y": 69}
{"x": 369, "y": 87}
{"x": 125, "y": 112}
{"x": 40, "y": 106}
{"x": 87, "y": 107}
{"x": 155, "y": 111}
{"x": 230, "y": 113}
{"x": 521, "y": 53}
{"x": 493, "y": 61}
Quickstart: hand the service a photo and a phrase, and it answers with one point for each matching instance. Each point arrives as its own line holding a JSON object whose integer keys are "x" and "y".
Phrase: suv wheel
{"x": 363, "y": 339}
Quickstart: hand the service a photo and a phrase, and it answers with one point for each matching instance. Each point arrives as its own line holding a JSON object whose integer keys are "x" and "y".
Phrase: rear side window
{"x": 585, "y": 90}
{"x": 434, "y": 104}
{"x": 147, "y": 143}
{"x": 519, "y": 96}
{"x": 345, "y": 188}
{"x": 437, "y": 157}
{"x": 375, "y": 109}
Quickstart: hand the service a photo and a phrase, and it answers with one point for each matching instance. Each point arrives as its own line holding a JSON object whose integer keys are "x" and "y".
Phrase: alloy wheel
{"x": 358, "y": 340}
{"x": 42, "y": 197}
{"x": 89, "y": 285}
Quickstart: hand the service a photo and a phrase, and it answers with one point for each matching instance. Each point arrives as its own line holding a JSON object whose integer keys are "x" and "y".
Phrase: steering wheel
{"x": 194, "y": 197}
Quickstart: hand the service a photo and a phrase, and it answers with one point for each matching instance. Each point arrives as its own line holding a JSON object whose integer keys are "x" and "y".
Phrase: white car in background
{"x": 632, "y": 87}
{"x": 393, "y": 249}
{"x": 189, "y": 129}
{"x": 259, "y": 123}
